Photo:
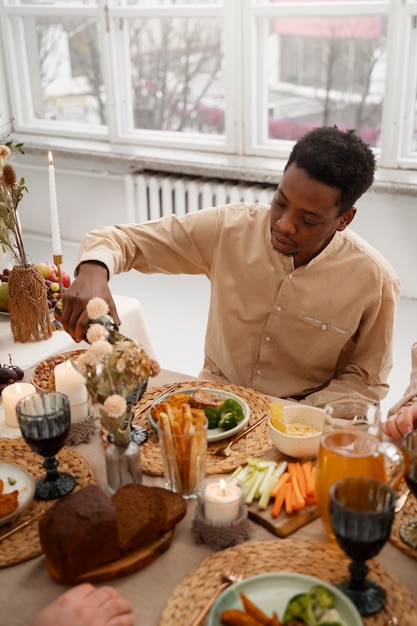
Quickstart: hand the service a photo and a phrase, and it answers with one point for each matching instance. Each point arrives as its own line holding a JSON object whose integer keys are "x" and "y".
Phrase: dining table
{"x": 172, "y": 588}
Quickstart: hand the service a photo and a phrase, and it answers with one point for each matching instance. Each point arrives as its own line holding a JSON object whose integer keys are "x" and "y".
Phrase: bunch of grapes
{"x": 9, "y": 374}
{"x": 4, "y": 276}
{"x": 54, "y": 292}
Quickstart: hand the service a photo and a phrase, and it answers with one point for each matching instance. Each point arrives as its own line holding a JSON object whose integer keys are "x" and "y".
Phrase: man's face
{"x": 304, "y": 215}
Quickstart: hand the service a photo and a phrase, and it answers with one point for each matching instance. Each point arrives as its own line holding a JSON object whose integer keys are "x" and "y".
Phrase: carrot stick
{"x": 284, "y": 478}
{"x": 289, "y": 498}
{"x": 291, "y": 468}
{"x": 301, "y": 479}
{"x": 298, "y": 500}
{"x": 279, "y": 499}
{"x": 307, "y": 471}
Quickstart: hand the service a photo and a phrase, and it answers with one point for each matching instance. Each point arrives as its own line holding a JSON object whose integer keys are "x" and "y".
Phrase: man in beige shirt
{"x": 300, "y": 306}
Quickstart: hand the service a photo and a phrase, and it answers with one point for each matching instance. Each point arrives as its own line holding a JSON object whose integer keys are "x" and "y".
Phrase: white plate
{"x": 271, "y": 592}
{"x": 25, "y": 484}
{"x": 214, "y": 434}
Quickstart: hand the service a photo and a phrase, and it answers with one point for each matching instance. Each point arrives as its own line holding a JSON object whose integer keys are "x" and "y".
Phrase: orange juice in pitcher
{"x": 347, "y": 453}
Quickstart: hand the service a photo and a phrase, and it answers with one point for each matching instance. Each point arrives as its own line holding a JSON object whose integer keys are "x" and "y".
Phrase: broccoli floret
{"x": 213, "y": 416}
{"x": 231, "y": 413}
{"x": 331, "y": 617}
{"x": 300, "y": 607}
{"x": 322, "y": 597}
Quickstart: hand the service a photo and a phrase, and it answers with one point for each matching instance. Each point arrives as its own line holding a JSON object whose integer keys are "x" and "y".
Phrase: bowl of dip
{"x": 304, "y": 426}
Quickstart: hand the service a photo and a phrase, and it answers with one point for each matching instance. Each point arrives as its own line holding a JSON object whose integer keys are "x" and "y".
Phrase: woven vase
{"x": 28, "y": 304}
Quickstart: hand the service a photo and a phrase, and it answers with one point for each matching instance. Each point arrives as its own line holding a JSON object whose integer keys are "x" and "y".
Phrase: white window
{"x": 238, "y": 77}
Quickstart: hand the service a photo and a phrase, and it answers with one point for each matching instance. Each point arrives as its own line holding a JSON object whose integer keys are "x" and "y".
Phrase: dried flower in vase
{"x": 11, "y": 193}
{"x": 115, "y": 373}
{"x": 27, "y": 291}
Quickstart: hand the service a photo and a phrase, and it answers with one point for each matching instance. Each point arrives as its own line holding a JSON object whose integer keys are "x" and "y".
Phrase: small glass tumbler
{"x": 184, "y": 460}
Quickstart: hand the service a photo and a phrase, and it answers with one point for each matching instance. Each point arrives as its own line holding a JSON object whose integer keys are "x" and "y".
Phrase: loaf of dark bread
{"x": 88, "y": 529}
{"x": 80, "y": 533}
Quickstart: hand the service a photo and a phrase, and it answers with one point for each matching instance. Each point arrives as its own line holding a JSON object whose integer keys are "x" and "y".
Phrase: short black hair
{"x": 340, "y": 159}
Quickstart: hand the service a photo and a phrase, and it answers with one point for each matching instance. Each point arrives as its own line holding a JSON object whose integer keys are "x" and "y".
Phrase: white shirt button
{"x": 258, "y": 372}
{"x": 324, "y": 326}
{"x": 267, "y": 338}
{"x": 279, "y": 309}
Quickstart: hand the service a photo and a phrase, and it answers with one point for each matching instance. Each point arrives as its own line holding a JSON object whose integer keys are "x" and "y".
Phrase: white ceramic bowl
{"x": 305, "y": 445}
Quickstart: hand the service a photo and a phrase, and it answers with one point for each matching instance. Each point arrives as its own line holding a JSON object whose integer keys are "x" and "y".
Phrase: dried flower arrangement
{"x": 114, "y": 373}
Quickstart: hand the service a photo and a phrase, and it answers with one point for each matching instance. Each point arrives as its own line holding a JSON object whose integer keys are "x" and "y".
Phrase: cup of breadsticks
{"x": 182, "y": 434}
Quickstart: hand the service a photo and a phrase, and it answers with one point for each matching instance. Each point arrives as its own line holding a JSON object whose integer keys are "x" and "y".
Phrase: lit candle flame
{"x": 50, "y": 159}
{"x": 222, "y": 486}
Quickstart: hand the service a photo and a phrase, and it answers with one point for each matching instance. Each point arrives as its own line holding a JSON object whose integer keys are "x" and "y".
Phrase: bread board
{"x": 122, "y": 567}
{"x": 283, "y": 525}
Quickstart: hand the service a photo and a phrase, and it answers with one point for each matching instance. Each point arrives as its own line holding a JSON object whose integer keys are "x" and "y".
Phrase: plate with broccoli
{"x": 293, "y": 597}
{"x": 226, "y": 412}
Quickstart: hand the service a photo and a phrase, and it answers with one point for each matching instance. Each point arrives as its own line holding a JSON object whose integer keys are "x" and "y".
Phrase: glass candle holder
{"x": 221, "y": 501}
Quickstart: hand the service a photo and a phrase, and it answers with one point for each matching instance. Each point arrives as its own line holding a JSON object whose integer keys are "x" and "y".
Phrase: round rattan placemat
{"x": 24, "y": 544}
{"x": 323, "y": 560}
{"x": 409, "y": 511}
{"x": 255, "y": 444}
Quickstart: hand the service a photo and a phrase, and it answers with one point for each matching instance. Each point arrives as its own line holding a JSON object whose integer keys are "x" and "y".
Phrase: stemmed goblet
{"x": 45, "y": 420}
{"x": 361, "y": 515}
{"x": 408, "y": 529}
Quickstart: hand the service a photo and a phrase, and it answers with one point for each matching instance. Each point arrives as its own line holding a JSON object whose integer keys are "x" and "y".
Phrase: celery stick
{"x": 253, "y": 487}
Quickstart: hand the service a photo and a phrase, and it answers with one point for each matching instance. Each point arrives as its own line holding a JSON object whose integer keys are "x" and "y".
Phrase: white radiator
{"x": 157, "y": 195}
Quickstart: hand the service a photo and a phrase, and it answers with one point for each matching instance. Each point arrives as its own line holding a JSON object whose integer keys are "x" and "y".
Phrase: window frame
{"x": 245, "y": 67}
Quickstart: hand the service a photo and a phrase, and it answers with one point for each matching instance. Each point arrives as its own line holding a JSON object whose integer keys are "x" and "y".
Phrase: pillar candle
{"x": 11, "y": 396}
{"x": 56, "y": 239}
{"x": 72, "y": 383}
{"x": 222, "y": 502}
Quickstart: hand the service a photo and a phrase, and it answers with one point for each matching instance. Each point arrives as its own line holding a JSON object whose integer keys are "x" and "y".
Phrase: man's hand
{"x": 91, "y": 282}
{"x": 401, "y": 422}
{"x": 85, "y": 605}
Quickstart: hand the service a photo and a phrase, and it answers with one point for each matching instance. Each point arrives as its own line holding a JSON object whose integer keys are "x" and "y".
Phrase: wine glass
{"x": 45, "y": 420}
{"x": 361, "y": 515}
{"x": 408, "y": 529}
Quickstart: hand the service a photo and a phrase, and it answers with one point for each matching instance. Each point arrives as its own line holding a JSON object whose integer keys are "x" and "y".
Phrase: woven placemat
{"x": 323, "y": 560}
{"x": 407, "y": 512}
{"x": 24, "y": 544}
{"x": 255, "y": 444}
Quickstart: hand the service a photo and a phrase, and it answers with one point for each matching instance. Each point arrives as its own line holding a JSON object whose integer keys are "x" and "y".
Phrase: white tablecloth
{"x": 28, "y": 355}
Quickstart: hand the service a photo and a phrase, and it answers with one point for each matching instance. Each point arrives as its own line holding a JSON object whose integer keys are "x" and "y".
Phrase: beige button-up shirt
{"x": 318, "y": 332}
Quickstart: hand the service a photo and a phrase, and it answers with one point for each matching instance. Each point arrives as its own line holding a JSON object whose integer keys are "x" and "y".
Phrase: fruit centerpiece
{"x": 52, "y": 282}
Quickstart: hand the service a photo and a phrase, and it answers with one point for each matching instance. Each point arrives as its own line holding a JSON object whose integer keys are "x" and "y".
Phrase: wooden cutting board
{"x": 122, "y": 567}
{"x": 284, "y": 524}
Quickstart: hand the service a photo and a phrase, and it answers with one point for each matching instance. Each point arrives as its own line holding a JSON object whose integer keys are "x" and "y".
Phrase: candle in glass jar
{"x": 222, "y": 502}
{"x": 11, "y": 396}
{"x": 53, "y": 205}
{"x": 72, "y": 383}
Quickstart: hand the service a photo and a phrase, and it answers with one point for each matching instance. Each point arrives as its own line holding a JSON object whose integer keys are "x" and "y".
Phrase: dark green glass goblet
{"x": 361, "y": 515}
{"x": 45, "y": 420}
